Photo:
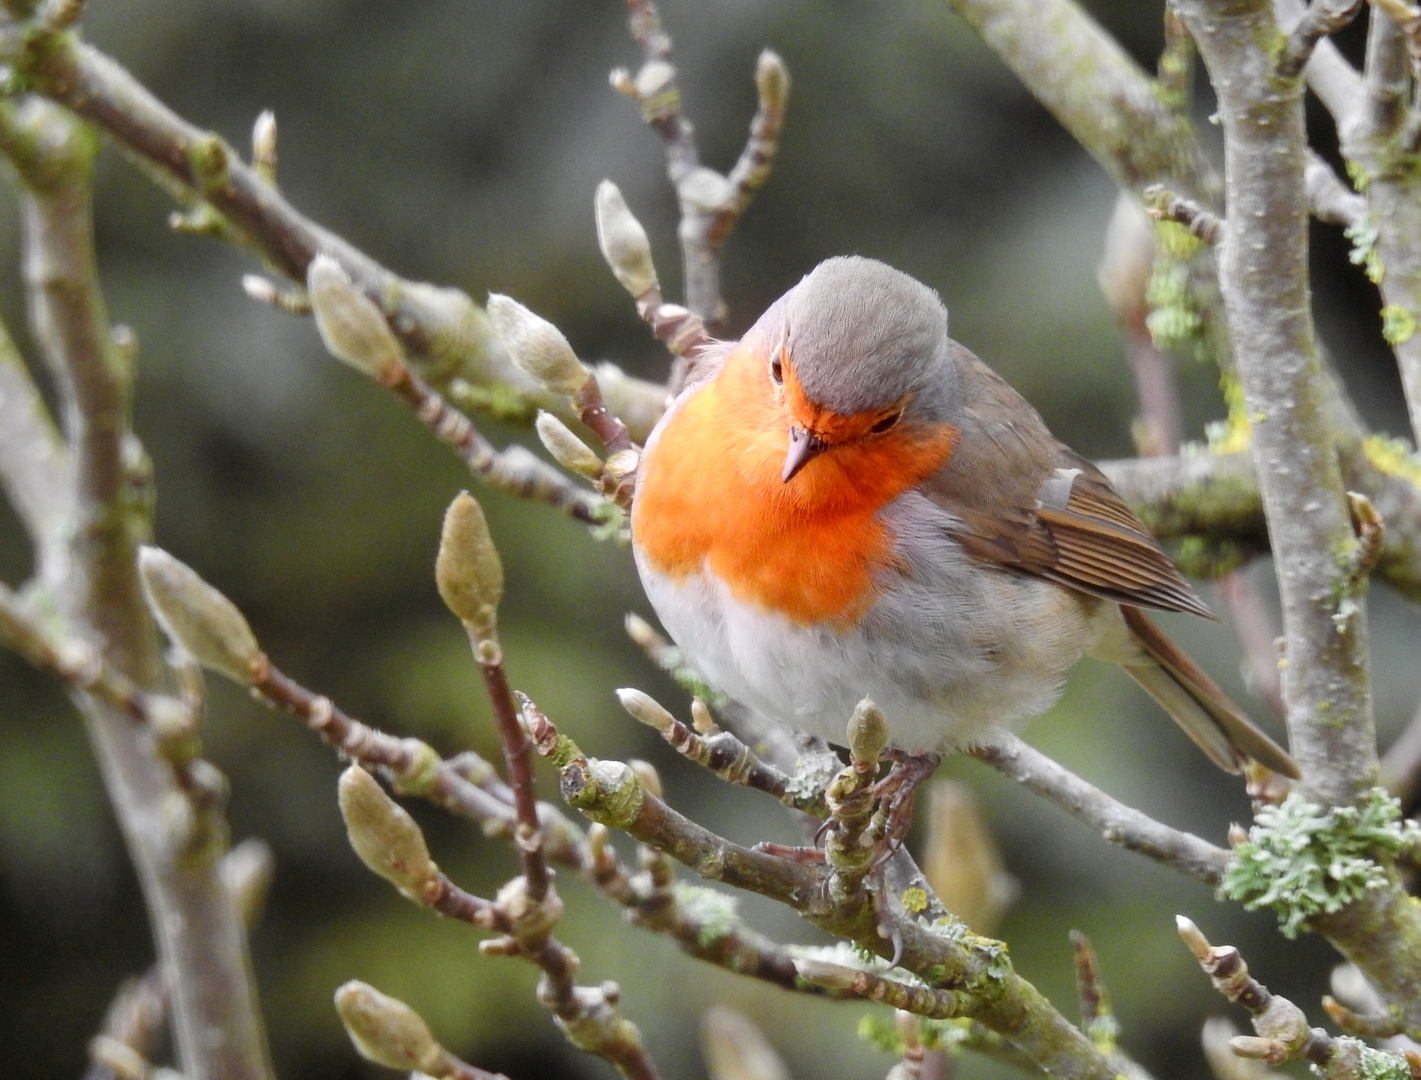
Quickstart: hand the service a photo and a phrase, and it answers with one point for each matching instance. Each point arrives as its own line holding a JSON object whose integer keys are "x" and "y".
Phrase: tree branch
{"x": 1326, "y": 685}
{"x": 200, "y": 939}
{"x": 1118, "y": 823}
{"x": 442, "y": 330}
{"x": 34, "y": 462}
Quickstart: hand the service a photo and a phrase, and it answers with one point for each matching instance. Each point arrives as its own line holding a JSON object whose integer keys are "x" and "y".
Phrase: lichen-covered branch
{"x": 945, "y": 954}
{"x": 1326, "y": 684}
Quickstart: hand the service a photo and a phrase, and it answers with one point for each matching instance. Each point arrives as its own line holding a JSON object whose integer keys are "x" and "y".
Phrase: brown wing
{"x": 1027, "y": 502}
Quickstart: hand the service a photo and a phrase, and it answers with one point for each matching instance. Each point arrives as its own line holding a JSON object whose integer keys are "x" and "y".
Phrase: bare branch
{"x": 711, "y": 204}
{"x": 199, "y": 935}
{"x": 34, "y": 462}
{"x": 608, "y": 792}
{"x": 442, "y": 330}
{"x": 1117, "y": 822}
{"x": 1323, "y": 17}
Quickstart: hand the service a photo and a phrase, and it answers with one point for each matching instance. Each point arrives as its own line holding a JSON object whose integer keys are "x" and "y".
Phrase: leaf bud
{"x": 468, "y": 571}
{"x": 623, "y": 241}
{"x": 387, "y": 1031}
{"x": 537, "y": 346}
{"x": 384, "y": 835}
{"x": 199, "y": 619}
{"x": 352, "y": 327}
{"x": 567, "y": 449}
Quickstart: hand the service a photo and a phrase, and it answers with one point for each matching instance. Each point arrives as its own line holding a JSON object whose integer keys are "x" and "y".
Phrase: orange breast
{"x": 711, "y": 497}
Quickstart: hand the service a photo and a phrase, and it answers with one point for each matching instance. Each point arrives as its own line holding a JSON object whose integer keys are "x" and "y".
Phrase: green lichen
{"x": 713, "y": 911}
{"x": 498, "y": 400}
{"x": 1234, "y": 434}
{"x": 880, "y": 1032}
{"x": 915, "y": 901}
{"x": 1173, "y": 321}
{"x": 1363, "y": 233}
{"x": 1398, "y": 324}
{"x": 612, "y": 524}
{"x": 1360, "y": 176}
{"x": 1376, "y": 1064}
{"x": 1393, "y": 457}
{"x": 1303, "y": 860}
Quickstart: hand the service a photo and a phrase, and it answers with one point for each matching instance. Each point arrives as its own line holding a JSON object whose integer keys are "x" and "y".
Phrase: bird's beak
{"x": 802, "y": 447}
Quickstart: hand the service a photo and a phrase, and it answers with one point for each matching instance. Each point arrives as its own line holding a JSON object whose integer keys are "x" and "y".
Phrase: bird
{"x": 847, "y": 503}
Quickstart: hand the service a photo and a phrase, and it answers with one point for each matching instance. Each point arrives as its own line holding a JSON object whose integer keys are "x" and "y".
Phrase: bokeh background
{"x": 461, "y": 143}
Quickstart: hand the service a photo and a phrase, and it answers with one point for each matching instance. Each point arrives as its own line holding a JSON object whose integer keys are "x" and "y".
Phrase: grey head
{"x": 862, "y": 335}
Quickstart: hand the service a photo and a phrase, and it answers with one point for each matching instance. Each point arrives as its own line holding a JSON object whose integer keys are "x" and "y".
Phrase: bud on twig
{"x": 352, "y": 327}
{"x": 386, "y": 1031}
{"x": 643, "y": 707}
{"x": 648, "y": 776}
{"x": 623, "y": 241}
{"x": 199, "y": 619}
{"x": 822, "y": 973}
{"x": 867, "y": 733}
{"x": 537, "y": 346}
{"x": 567, "y": 449}
{"x": 384, "y": 835}
{"x": 468, "y": 571}
{"x": 772, "y": 81}
{"x": 247, "y": 871}
{"x": 264, "y": 146}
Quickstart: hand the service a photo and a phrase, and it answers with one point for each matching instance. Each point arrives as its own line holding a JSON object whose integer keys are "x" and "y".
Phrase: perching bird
{"x": 848, "y": 503}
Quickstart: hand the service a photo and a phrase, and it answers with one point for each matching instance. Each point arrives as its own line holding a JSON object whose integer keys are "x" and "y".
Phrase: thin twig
{"x": 443, "y": 330}
{"x": 517, "y": 754}
{"x": 1164, "y": 205}
{"x": 1331, "y": 200}
{"x": 1118, "y": 823}
{"x": 710, "y": 203}
{"x": 608, "y": 792}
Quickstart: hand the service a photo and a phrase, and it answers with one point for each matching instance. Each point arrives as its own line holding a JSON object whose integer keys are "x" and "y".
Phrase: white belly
{"x": 952, "y": 651}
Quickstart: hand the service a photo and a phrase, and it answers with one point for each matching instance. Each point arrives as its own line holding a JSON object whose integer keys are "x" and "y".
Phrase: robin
{"x": 848, "y": 503}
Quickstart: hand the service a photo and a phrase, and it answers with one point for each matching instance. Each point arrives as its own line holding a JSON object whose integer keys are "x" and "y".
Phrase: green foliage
{"x": 1303, "y": 860}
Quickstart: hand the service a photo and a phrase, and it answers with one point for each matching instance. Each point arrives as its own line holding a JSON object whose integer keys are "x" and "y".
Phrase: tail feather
{"x": 1196, "y": 703}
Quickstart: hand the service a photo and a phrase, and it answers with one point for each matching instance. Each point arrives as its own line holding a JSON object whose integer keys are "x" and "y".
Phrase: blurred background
{"x": 461, "y": 143}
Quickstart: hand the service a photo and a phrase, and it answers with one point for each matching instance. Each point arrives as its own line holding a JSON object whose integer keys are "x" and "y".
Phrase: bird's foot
{"x": 894, "y": 794}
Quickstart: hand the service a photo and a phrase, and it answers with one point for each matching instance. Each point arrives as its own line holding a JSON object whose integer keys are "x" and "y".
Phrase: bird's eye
{"x": 887, "y": 422}
{"x": 777, "y": 370}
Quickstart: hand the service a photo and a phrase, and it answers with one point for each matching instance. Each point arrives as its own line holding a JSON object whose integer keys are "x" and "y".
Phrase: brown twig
{"x": 723, "y": 754}
{"x": 1282, "y": 1027}
{"x": 608, "y": 792}
{"x": 1164, "y": 205}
